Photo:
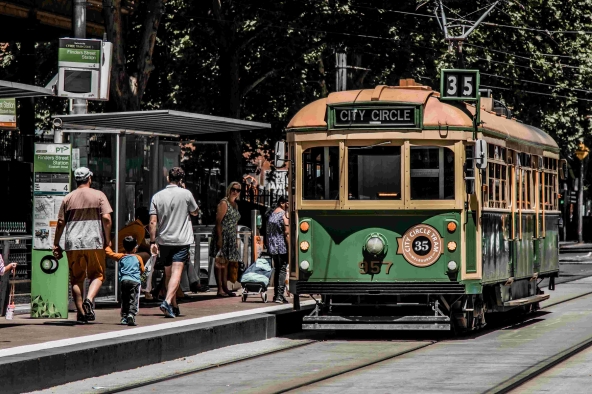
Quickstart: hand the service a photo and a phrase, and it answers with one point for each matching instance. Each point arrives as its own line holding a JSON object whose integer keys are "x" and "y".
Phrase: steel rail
{"x": 191, "y": 371}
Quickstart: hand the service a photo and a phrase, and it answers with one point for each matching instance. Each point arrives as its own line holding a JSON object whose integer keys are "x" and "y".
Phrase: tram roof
{"x": 436, "y": 113}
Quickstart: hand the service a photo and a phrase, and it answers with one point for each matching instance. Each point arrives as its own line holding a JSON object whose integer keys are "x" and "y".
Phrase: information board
{"x": 52, "y": 169}
{"x": 8, "y": 113}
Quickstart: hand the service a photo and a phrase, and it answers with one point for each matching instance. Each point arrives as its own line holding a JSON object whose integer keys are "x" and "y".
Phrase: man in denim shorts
{"x": 169, "y": 218}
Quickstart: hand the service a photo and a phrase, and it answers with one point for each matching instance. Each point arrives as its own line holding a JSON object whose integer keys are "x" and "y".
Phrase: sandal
{"x": 223, "y": 295}
{"x": 232, "y": 294}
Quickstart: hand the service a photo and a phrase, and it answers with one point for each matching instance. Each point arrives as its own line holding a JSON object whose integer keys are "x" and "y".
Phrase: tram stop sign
{"x": 458, "y": 84}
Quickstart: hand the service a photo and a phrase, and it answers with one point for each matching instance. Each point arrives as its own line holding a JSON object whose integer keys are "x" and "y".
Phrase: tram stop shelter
{"x": 130, "y": 154}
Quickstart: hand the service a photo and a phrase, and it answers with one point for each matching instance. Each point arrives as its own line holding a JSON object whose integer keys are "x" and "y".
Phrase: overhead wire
{"x": 420, "y": 46}
{"x": 536, "y": 93}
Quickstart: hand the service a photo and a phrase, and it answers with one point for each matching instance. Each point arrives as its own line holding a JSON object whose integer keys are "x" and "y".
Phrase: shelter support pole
{"x": 79, "y": 106}
{"x": 154, "y": 170}
{"x": 254, "y": 213}
{"x": 121, "y": 175}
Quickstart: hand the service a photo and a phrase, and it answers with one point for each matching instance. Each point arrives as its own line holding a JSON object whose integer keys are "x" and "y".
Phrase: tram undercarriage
{"x": 435, "y": 312}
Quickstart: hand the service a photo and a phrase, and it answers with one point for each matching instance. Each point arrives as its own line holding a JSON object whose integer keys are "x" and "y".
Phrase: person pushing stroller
{"x": 131, "y": 266}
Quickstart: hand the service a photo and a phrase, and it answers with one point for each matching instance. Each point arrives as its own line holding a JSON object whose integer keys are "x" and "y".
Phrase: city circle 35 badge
{"x": 421, "y": 245}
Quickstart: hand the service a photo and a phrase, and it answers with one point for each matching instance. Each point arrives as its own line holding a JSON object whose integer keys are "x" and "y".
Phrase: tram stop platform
{"x": 40, "y": 353}
{"x": 37, "y": 354}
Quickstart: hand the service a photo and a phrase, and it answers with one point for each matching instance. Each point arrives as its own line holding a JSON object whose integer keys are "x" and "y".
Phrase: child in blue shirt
{"x": 130, "y": 268}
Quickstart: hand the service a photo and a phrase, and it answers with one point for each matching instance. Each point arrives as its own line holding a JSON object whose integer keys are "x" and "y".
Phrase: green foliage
{"x": 264, "y": 61}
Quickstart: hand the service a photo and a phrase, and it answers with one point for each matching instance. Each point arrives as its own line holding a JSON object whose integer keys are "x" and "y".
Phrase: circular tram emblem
{"x": 421, "y": 245}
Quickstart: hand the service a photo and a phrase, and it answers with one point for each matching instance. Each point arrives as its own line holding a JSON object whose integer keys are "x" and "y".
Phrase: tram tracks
{"x": 301, "y": 382}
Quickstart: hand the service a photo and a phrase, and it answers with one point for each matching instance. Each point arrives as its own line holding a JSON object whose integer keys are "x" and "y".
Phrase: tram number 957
{"x": 460, "y": 85}
{"x": 374, "y": 267}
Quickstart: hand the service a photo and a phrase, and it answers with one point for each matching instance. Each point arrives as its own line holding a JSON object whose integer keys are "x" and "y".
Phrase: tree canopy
{"x": 264, "y": 61}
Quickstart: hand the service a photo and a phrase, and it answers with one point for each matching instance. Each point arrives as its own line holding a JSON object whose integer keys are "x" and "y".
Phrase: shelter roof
{"x": 20, "y": 90}
{"x": 159, "y": 122}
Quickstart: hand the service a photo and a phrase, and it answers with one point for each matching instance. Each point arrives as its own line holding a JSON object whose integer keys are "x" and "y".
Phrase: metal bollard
{"x": 254, "y": 213}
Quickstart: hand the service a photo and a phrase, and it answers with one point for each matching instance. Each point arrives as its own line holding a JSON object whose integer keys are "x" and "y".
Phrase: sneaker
{"x": 89, "y": 310}
{"x": 176, "y": 311}
{"x": 167, "y": 309}
{"x": 280, "y": 300}
{"x": 124, "y": 320}
{"x": 81, "y": 319}
{"x": 131, "y": 320}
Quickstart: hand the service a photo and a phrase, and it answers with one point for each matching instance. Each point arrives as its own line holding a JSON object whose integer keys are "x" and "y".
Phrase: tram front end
{"x": 382, "y": 270}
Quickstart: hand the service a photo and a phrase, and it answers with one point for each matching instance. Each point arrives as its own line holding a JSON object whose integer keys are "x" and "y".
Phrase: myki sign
{"x": 393, "y": 117}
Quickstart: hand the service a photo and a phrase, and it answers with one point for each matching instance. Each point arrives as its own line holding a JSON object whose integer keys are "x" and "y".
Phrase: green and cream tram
{"x": 410, "y": 212}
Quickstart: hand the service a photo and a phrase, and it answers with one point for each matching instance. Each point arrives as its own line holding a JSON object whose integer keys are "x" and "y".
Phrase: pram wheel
{"x": 264, "y": 297}
{"x": 244, "y": 297}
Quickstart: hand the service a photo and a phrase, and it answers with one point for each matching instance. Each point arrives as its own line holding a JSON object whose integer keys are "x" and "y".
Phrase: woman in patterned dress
{"x": 224, "y": 237}
{"x": 277, "y": 245}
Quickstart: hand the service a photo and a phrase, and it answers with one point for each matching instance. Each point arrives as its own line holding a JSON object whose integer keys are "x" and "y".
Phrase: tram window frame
{"x": 444, "y": 186}
{"x": 330, "y": 182}
{"x": 550, "y": 174}
{"x": 497, "y": 178}
{"x": 354, "y": 170}
{"x": 524, "y": 181}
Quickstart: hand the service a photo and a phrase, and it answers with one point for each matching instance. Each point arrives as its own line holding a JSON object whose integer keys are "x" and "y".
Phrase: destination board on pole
{"x": 391, "y": 116}
{"x": 459, "y": 85}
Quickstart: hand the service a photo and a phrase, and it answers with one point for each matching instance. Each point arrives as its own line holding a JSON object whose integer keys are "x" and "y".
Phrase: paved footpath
{"x": 23, "y": 330}
{"x": 483, "y": 359}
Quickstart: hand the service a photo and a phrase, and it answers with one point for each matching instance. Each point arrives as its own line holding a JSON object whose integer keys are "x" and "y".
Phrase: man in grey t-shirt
{"x": 169, "y": 218}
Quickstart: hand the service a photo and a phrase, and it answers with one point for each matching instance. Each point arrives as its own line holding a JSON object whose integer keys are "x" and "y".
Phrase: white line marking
{"x": 141, "y": 330}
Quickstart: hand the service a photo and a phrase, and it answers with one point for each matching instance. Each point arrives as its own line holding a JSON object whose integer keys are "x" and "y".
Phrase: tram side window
{"x": 497, "y": 178}
{"x": 374, "y": 173}
{"x": 432, "y": 173}
{"x": 524, "y": 179}
{"x": 320, "y": 175}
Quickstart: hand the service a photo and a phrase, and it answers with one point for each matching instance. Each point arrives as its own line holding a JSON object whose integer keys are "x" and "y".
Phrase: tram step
{"x": 527, "y": 300}
{"x": 437, "y": 323}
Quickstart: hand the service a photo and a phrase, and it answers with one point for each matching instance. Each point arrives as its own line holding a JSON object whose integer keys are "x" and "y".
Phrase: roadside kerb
{"x": 49, "y": 364}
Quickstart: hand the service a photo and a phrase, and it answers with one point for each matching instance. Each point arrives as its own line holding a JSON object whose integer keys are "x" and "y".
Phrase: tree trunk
{"x": 127, "y": 89}
{"x": 231, "y": 104}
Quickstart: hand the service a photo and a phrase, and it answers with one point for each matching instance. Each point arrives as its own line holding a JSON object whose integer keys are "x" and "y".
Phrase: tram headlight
{"x": 375, "y": 246}
{"x": 304, "y": 265}
{"x": 304, "y": 246}
{"x": 452, "y": 266}
{"x": 451, "y": 246}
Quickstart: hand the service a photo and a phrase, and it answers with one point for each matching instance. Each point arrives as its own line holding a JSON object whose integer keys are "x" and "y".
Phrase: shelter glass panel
{"x": 432, "y": 173}
{"x": 320, "y": 173}
{"x": 374, "y": 173}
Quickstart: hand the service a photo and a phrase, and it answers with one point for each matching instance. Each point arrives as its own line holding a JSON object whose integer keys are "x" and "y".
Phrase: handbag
{"x": 233, "y": 271}
{"x": 11, "y": 307}
{"x": 146, "y": 276}
{"x": 220, "y": 261}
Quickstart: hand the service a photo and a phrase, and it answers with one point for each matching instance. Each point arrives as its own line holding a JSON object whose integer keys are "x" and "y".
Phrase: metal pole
{"x": 581, "y": 202}
{"x": 79, "y": 106}
{"x": 254, "y": 213}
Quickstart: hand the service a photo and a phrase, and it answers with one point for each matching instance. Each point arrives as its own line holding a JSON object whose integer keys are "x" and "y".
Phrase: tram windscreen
{"x": 320, "y": 173}
{"x": 374, "y": 173}
{"x": 432, "y": 173}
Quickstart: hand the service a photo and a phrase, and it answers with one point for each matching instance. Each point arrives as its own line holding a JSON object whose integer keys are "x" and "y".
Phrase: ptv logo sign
{"x": 62, "y": 149}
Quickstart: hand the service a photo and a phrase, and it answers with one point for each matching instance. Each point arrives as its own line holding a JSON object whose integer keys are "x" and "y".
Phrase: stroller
{"x": 256, "y": 277}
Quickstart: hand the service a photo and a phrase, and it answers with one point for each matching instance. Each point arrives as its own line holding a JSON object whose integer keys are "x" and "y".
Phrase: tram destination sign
{"x": 459, "y": 85}
{"x": 371, "y": 117}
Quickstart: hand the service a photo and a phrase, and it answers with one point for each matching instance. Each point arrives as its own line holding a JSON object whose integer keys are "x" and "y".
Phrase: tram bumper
{"x": 409, "y": 323}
